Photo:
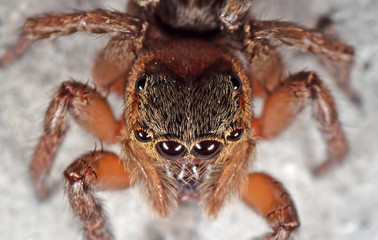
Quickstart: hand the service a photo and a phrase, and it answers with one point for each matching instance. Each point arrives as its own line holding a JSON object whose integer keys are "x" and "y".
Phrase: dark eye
{"x": 142, "y": 136}
{"x": 171, "y": 150}
{"x": 207, "y": 149}
{"x": 235, "y": 135}
{"x": 140, "y": 83}
{"x": 236, "y": 82}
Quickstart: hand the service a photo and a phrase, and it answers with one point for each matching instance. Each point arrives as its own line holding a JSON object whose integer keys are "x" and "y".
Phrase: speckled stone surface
{"x": 343, "y": 205}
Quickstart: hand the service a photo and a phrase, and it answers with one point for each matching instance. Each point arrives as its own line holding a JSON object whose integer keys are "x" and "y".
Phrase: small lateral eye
{"x": 140, "y": 83}
{"x": 236, "y": 82}
{"x": 207, "y": 149}
{"x": 142, "y": 136}
{"x": 235, "y": 135}
{"x": 171, "y": 150}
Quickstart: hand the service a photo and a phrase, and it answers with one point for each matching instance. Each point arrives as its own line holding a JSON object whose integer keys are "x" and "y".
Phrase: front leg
{"x": 289, "y": 98}
{"x": 269, "y": 198}
{"x": 94, "y": 171}
{"x": 88, "y": 108}
{"x": 54, "y": 25}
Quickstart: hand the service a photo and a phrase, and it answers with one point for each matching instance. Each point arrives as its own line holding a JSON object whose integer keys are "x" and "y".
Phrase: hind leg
{"x": 119, "y": 25}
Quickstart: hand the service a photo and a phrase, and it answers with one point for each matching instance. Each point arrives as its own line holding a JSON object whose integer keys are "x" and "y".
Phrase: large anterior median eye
{"x": 171, "y": 150}
{"x": 207, "y": 149}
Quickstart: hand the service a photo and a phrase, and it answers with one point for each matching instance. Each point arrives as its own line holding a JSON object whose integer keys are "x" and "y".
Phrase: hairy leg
{"x": 148, "y": 3}
{"x": 288, "y": 99}
{"x": 55, "y": 25}
{"x": 326, "y": 27}
{"x": 234, "y": 13}
{"x": 333, "y": 52}
{"x": 269, "y": 198}
{"x": 94, "y": 171}
{"x": 113, "y": 62}
{"x": 88, "y": 108}
{"x": 266, "y": 69}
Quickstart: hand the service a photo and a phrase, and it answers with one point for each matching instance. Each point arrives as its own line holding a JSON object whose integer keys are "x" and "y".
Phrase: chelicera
{"x": 188, "y": 72}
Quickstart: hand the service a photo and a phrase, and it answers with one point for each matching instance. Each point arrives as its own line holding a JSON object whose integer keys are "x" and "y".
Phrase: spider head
{"x": 187, "y": 111}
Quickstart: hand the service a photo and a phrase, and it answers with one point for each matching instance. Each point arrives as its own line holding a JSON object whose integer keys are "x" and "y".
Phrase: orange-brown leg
{"x": 113, "y": 62}
{"x": 288, "y": 99}
{"x": 54, "y": 25}
{"x": 326, "y": 27}
{"x": 269, "y": 198}
{"x": 93, "y": 171}
{"x": 267, "y": 69}
{"x": 88, "y": 108}
{"x": 274, "y": 33}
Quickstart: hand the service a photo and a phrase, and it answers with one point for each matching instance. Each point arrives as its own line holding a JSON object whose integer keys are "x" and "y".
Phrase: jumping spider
{"x": 188, "y": 71}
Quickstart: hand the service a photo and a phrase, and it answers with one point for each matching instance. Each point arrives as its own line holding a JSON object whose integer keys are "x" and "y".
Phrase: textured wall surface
{"x": 341, "y": 205}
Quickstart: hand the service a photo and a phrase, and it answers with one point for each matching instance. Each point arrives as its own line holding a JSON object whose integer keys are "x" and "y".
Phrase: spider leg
{"x": 55, "y": 25}
{"x": 94, "y": 171}
{"x": 148, "y": 3}
{"x": 333, "y": 52}
{"x": 266, "y": 70}
{"x": 287, "y": 100}
{"x": 326, "y": 27}
{"x": 88, "y": 108}
{"x": 113, "y": 62}
{"x": 234, "y": 13}
{"x": 269, "y": 198}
